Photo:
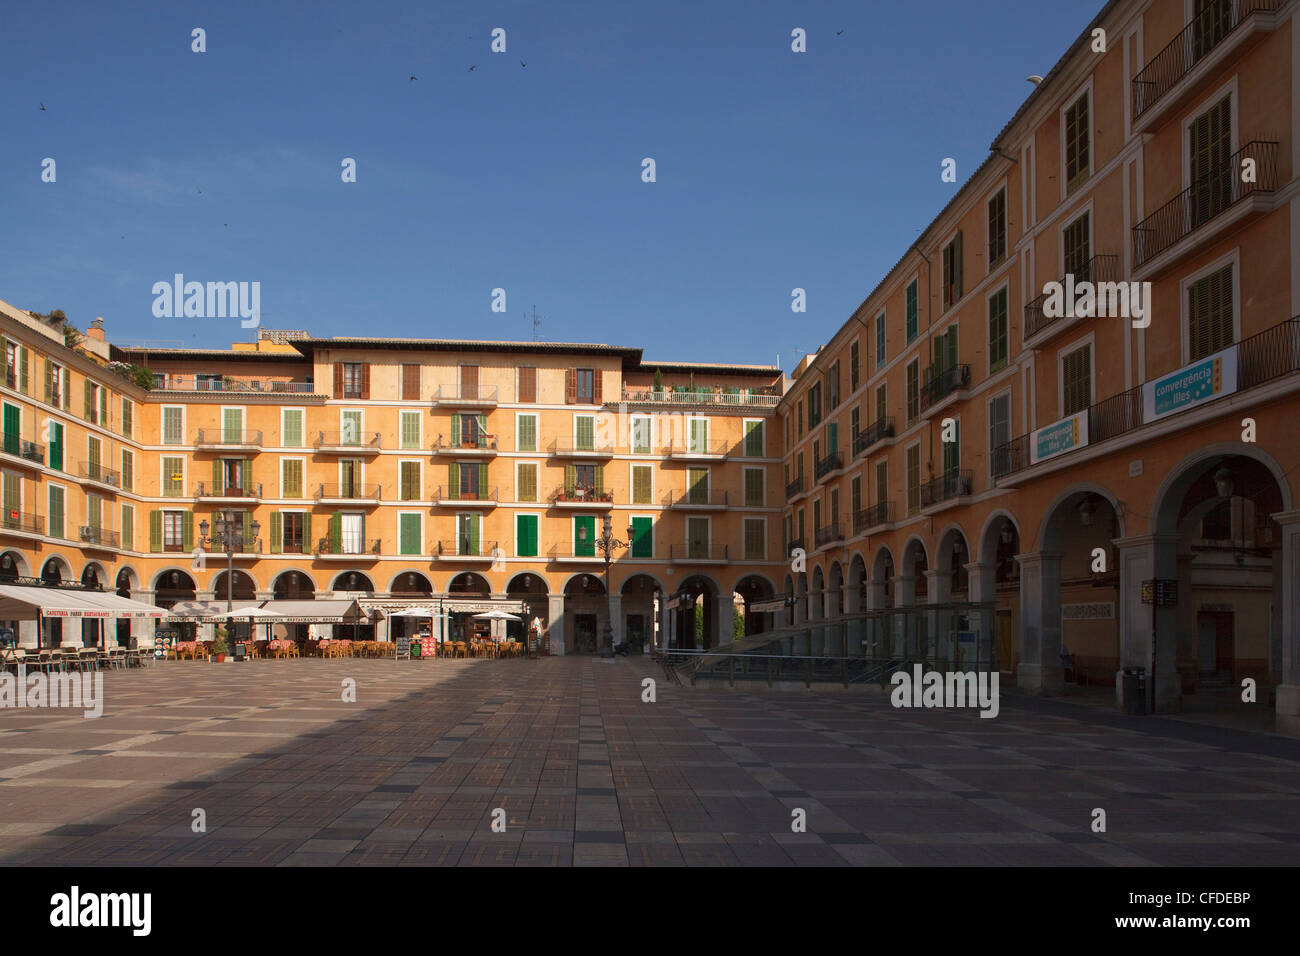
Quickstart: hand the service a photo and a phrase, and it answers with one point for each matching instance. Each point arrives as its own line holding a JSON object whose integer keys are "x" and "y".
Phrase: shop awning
{"x": 26, "y": 603}
{"x": 316, "y": 612}
{"x": 202, "y": 610}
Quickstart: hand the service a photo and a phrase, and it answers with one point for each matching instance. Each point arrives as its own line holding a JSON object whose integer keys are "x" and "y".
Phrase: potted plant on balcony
{"x": 219, "y": 648}
{"x": 659, "y": 383}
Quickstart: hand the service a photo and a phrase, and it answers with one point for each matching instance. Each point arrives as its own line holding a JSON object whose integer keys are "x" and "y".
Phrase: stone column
{"x": 938, "y": 590}
{"x": 555, "y": 614}
{"x": 1040, "y": 623}
{"x": 614, "y": 608}
{"x": 1141, "y": 558}
{"x": 1288, "y": 692}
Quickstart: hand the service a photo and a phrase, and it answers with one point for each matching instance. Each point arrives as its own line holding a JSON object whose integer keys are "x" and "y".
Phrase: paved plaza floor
{"x": 287, "y": 773}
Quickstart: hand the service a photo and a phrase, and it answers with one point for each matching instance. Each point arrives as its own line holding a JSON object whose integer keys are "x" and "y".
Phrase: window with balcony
{"x": 408, "y": 533}
{"x": 997, "y": 245}
{"x": 352, "y": 533}
{"x": 173, "y": 531}
{"x": 913, "y": 391}
{"x": 1210, "y": 321}
{"x": 882, "y": 403}
{"x": 833, "y": 387}
{"x": 526, "y": 481}
{"x": 584, "y": 432}
{"x": 11, "y": 364}
{"x": 467, "y": 534}
{"x": 291, "y": 481}
{"x": 814, "y": 405}
{"x": 913, "y": 318}
{"x": 998, "y": 337}
{"x": 999, "y": 435}
{"x": 1076, "y": 380}
{"x": 1078, "y": 143}
{"x": 855, "y": 494}
{"x": 882, "y": 480}
{"x": 56, "y": 511}
{"x": 697, "y": 486}
{"x": 128, "y": 470}
{"x": 293, "y": 531}
{"x": 1209, "y": 147}
{"x": 952, "y": 272}
{"x": 350, "y": 427}
{"x": 855, "y": 376}
{"x": 526, "y": 536}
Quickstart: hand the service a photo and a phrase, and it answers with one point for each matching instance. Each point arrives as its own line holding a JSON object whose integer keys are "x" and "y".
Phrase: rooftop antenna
{"x": 537, "y": 324}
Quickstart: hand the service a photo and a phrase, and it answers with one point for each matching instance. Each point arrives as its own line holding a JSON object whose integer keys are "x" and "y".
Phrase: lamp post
{"x": 228, "y": 536}
{"x": 607, "y": 543}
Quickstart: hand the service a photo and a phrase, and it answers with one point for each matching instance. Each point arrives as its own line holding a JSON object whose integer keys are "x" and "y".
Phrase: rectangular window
{"x": 854, "y": 372}
{"x": 642, "y": 537}
{"x": 128, "y": 527}
{"x": 699, "y": 435}
{"x": 952, "y": 451}
{"x": 641, "y": 484}
{"x": 128, "y": 470}
{"x": 292, "y": 531}
{"x": 799, "y": 418}
{"x": 753, "y": 439}
{"x": 998, "y": 331}
{"x": 584, "y": 432}
{"x": 409, "y": 429}
{"x": 754, "y": 494}
{"x": 352, "y": 380}
{"x": 94, "y": 512}
{"x": 882, "y": 405}
{"x": 952, "y": 272}
{"x": 855, "y": 424}
{"x": 913, "y": 480}
{"x": 173, "y": 475}
{"x": 1209, "y": 143}
{"x": 1210, "y": 325}
{"x": 352, "y": 533}
{"x": 1078, "y": 142}
{"x": 584, "y": 536}
{"x": 882, "y": 481}
{"x": 526, "y": 536}
{"x": 999, "y": 435}
{"x": 291, "y": 478}
{"x": 526, "y": 481}
{"x": 291, "y": 428}
{"x": 349, "y": 478}
{"x": 697, "y": 537}
{"x": 697, "y": 486}
{"x": 814, "y": 406}
{"x": 92, "y": 403}
{"x": 880, "y": 341}
{"x": 755, "y": 539}
{"x": 56, "y": 445}
{"x": 855, "y": 495}
{"x": 913, "y": 319}
{"x": 833, "y": 387}
{"x": 408, "y": 533}
{"x": 586, "y": 379}
{"x": 1077, "y": 248}
{"x": 997, "y": 228}
{"x": 350, "y": 427}
{"x": 409, "y": 472}
{"x": 641, "y": 434}
{"x": 1076, "y": 380}
{"x": 528, "y": 384}
{"x": 173, "y": 425}
{"x": 11, "y": 364}
{"x": 913, "y": 391}
{"x": 56, "y": 512}
{"x": 526, "y": 432}
{"x": 410, "y": 393}
{"x": 173, "y": 531}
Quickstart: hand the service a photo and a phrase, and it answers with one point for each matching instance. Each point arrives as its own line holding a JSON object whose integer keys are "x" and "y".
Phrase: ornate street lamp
{"x": 1223, "y": 483}
{"x": 227, "y": 536}
{"x": 607, "y": 543}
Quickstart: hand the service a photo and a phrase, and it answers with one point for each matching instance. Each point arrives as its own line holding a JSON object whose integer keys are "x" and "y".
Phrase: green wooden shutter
{"x": 526, "y": 535}
{"x": 600, "y": 479}
{"x": 128, "y": 418}
{"x": 155, "y": 530}
{"x": 527, "y": 433}
{"x": 187, "y": 531}
{"x": 641, "y": 484}
{"x": 473, "y": 535}
{"x": 12, "y": 426}
{"x": 527, "y": 482}
{"x": 410, "y": 429}
{"x": 754, "y": 439}
{"x": 586, "y": 433}
{"x": 642, "y": 538}
{"x": 336, "y": 532}
{"x": 22, "y": 370}
{"x": 103, "y": 407}
{"x": 292, "y": 428}
{"x": 49, "y": 382}
{"x": 832, "y": 438}
{"x": 482, "y": 482}
{"x": 218, "y": 478}
{"x": 455, "y": 430}
{"x": 306, "y": 531}
{"x": 277, "y": 534}
{"x": 570, "y": 478}
{"x": 409, "y": 534}
{"x": 589, "y": 548}
{"x": 56, "y": 512}
{"x": 246, "y": 476}
{"x": 89, "y": 412}
{"x": 480, "y": 429}
{"x": 453, "y": 480}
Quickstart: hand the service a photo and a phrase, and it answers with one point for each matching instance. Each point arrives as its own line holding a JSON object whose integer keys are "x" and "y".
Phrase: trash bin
{"x": 1134, "y": 690}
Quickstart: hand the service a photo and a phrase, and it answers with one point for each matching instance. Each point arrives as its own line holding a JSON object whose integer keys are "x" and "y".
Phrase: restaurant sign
{"x": 482, "y": 607}
{"x": 1058, "y": 438}
{"x": 1210, "y": 378}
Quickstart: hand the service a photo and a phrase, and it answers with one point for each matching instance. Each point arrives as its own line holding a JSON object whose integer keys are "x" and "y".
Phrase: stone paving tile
{"x": 588, "y": 775}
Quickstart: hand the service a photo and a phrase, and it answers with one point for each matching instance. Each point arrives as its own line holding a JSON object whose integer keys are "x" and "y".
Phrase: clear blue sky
{"x": 775, "y": 169}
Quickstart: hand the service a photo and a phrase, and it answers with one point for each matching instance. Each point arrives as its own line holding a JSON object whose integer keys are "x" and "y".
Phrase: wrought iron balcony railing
{"x": 1216, "y": 22}
{"x": 582, "y": 494}
{"x": 943, "y": 383}
{"x": 13, "y": 445}
{"x": 1102, "y": 268}
{"x": 11, "y": 520}
{"x": 832, "y": 462}
{"x": 216, "y": 437}
{"x": 795, "y": 487}
{"x": 464, "y": 547}
{"x": 1261, "y": 358}
{"x": 205, "y": 489}
{"x": 465, "y": 395}
{"x": 100, "y": 536}
{"x": 457, "y": 443}
{"x": 700, "y": 395}
{"x": 348, "y": 491}
{"x": 346, "y": 546}
{"x": 1205, "y": 199}
{"x": 953, "y": 484}
{"x": 877, "y": 431}
{"x": 349, "y": 441}
{"x": 829, "y": 533}
{"x": 882, "y": 512}
{"x": 94, "y": 471}
{"x": 445, "y": 493}
{"x": 567, "y": 446}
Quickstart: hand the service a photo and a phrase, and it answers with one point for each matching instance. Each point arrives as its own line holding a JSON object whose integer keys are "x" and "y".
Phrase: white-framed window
{"x": 755, "y": 442}
{"x": 1076, "y": 123}
{"x": 291, "y": 427}
{"x": 128, "y": 527}
{"x": 641, "y": 478}
{"x": 880, "y": 341}
{"x": 640, "y": 434}
{"x": 525, "y": 431}
{"x": 1210, "y": 307}
{"x": 173, "y": 424}
{"x": 999, "y": 419}
{"x": 410, "y": 532}
{"x": 292, "y": 477}
{"x": 410, "y": 429}
{"x": 526, "y": 481}
{"x": 584, "y": 432}
{"x": 351, "y": 426}
{"x": 410, "y": 474}
{"x": 755, "y": 489}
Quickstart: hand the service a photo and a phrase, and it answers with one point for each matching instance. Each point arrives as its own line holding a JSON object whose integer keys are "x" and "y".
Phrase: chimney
{"x": 96, "y": 330}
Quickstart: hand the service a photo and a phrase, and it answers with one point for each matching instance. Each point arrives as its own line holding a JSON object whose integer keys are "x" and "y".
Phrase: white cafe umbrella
{"x": 239, "y": 614}
{"x": 497, "y": 616}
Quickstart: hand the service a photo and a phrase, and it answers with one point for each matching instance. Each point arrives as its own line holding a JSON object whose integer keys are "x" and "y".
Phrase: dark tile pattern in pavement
{"x": 585, "y": 773}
